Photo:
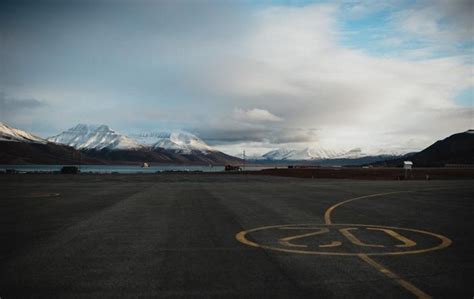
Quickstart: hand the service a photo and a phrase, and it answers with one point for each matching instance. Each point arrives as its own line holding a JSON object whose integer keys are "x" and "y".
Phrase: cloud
{"x": 445, "y": 20}
{"x": 441, "y": 27}
{"x": 24, "y": 112}
{"x": 13, "y": 105}
{"x": 294, "y": 64}
{"x": 159, "y": 65}
{"x": 297, "y": 57}
{"x": 255, "y": 115}
{"x": 228, "y": 133}
{"x": 358, "y": 9}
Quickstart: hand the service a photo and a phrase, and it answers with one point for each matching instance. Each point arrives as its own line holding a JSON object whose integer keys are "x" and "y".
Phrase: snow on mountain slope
{"x": 8, "y": 133}
{"x": 85, "y": 136}
{"x": 322, "y": 154}
{"x": 354, "y": 153}
{"x": 278, "y": 154}
{"x": 178, "y": 141}
{"x": 394, "y": 151}
{"x": 305, "y": 154}
{"x": 99, "y": 137}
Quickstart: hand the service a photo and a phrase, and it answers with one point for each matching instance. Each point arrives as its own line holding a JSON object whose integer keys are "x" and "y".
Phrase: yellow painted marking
{"x": 287, "y": 240}
{"x": 242, "y": 237}
{"x": 350, "y": 236}
{"x": 405, "y": 284}
{"x": 410, "y": 287}
{"x": 445, "y": 242}
{"x": 327, "y": 214}
{"x": 406, "y": 242}
{"x": 332, "y": 244}
{"x": 299, "y": 227}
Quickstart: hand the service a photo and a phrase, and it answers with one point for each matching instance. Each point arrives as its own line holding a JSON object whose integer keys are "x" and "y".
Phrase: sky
{"x": 243, "y": 75}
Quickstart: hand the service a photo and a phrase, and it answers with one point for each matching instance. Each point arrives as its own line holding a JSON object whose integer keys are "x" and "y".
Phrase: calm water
{"x": 119, "y": 168}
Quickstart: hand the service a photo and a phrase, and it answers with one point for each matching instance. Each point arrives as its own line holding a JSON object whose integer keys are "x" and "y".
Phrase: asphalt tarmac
{"x": 234, "y": 236}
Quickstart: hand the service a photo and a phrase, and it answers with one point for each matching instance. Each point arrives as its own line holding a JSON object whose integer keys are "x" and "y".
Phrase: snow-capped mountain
{"x": 20, "y": 147}
{"x": 177, "y": 141}
{"x": 354, "y": 153}
{"x": 86, "y": 144}
{"x": 394, "y": 151}
{"x": 455, "y": 149}
{"x": 304, "y": 154}
{"x": 323, "y": 154}
{"x": 8, "y": 133}
{"x": 94, "y": 137}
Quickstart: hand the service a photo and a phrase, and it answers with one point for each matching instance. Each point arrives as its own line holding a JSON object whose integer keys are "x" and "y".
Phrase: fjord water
{"x": 113, "y": 168}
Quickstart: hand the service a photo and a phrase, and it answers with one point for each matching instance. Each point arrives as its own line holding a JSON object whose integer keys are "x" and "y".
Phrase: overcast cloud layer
{"x": 243, "y": 76}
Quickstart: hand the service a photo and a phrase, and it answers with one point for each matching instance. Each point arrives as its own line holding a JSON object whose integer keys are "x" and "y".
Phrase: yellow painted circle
{"x": 242, "y": 237}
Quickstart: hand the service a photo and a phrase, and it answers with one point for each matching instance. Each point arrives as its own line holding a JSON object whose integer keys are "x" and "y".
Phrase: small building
{"x": 233, "y": 168}
{"x": 407, "y": 164}
{"x": 70, "y": 170}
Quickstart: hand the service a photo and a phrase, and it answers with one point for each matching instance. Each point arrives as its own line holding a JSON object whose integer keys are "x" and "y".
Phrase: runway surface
{"x": 234, "y": 236}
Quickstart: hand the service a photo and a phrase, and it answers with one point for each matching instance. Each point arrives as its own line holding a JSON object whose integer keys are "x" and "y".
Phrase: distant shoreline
{"x": 381, "y": 173}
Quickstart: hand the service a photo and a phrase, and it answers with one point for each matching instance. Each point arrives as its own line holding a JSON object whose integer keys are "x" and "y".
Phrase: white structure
{"x": 407, "y": 164}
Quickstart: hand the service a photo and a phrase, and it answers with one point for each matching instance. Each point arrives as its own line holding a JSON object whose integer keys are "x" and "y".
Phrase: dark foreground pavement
{"x": 175, "y": 235}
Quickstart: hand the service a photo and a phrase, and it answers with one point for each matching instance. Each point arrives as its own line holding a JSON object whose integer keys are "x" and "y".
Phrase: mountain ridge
{"x": 319, "y": 154}
{"x": 455, "y": 149}
{"x": 98, "y": 137}
{"x": 99, "y": 144}
{"x": 177, "y": 140}
{"x": 8, "y": 133}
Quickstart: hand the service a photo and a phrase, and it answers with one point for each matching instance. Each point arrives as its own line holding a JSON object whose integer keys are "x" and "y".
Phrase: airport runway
{"x": 234, "y": 236}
